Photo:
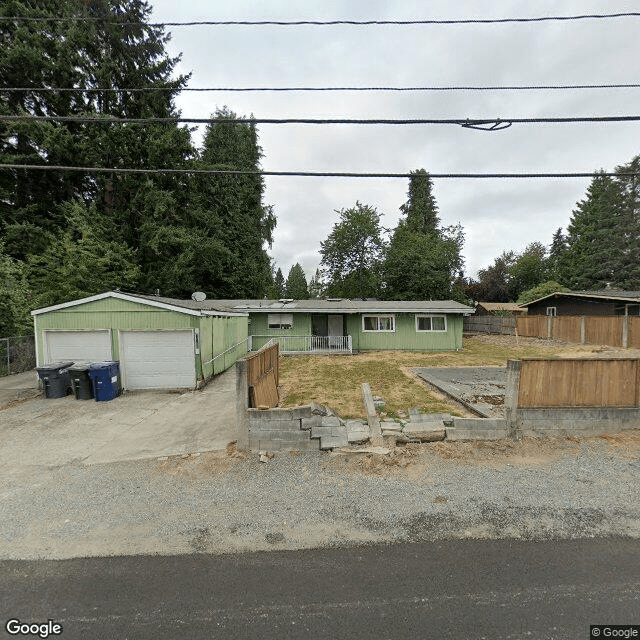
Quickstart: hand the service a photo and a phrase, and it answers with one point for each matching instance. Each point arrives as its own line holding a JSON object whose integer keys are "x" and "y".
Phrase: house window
{"x": 431, "y": 323}
{"x": 379, "y": 323}
{"x": 551, "y": 311}
{"x": 280, "y": 320}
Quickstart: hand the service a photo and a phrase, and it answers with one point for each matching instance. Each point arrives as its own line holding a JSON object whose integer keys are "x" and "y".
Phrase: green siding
{"x": 216, "y": 334}
{"x": 405, "y": 336}
{"x": 259, "y": 327}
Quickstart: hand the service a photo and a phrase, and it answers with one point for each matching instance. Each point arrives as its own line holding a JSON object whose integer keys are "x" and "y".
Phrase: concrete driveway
{"x": 133, "y": 426}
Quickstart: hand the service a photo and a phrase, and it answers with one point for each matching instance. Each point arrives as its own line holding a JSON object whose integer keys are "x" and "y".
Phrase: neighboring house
{"x": 499, "y": 308}
{"x": 344, "y": 325}
{"x": 161, "y": 343}
{"x": 606, "y": 302}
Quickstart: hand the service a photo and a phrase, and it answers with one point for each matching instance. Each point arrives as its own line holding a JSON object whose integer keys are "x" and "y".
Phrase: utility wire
{"x": 322, "y": 23}
{"x": 490, "y": 123}
{"x": 540, "y": 87}
{"x": 315, "y": 174}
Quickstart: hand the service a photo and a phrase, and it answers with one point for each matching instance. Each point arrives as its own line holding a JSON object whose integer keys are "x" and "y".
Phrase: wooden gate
{"x": 263, "y": 376}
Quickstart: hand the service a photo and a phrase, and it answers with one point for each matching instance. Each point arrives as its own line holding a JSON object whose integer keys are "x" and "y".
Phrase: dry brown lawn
{"x": 336, "y": 380}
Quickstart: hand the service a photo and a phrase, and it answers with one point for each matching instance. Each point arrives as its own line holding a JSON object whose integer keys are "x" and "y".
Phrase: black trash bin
{"x": 81, "y": 381}
{"x": 55, "y": 379}
{"x": 105, "y": 377}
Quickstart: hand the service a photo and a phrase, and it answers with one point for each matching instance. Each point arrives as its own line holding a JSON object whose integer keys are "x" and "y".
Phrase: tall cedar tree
{"x": 296, "y": 286}
{"x": 596, "y": 238}
{"x": 422, "y": 261}
{"x": 352, "y": 253}
{"x": 230, "y": 216}
{"x": 100, "y": 53}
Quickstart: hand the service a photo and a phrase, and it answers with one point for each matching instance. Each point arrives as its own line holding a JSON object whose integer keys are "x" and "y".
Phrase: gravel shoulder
{"x": 225, "y": 502}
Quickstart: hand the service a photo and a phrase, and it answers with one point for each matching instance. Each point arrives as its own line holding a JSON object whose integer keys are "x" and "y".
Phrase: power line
{"x": 317, "y": 174}
{"x": 540, "y": 87}
{"x": 489, "y": 124}
{"x": 323, "y": 23}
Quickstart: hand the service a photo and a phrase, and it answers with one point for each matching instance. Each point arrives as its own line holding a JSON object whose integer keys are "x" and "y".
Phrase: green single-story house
{"x": 167, "y": 343}
{"x": 344, "y": 325}
{"x": 161, "y": 343}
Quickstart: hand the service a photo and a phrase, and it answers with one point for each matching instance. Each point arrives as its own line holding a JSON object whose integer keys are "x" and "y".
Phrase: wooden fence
{"x": 579, "y": 383}
{"x": 614, "y": 331}
{"x": 263, "y": 376}
{"x": 490, "y": 324}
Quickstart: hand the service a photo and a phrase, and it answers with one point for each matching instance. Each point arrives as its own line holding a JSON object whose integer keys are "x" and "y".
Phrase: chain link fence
{"x": 17, "y": 354}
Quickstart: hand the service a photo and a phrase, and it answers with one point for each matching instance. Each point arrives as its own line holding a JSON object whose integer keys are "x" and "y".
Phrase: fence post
{"x": 625, "y": 331}
{"x": 511, "y": 392}
{"x": 583, "y": 329}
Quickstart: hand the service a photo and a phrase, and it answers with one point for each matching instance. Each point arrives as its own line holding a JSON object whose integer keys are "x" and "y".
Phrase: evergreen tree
{"x": 230, "y": 209}
{"x": 15, "y": 298}
{"x": 630, "y": 223}
{"x": 556, "y": 254}
{"x": 82, "y": 260}
{"x": 277, "y": 288}
{"x": 95, "y": 54}
{"x": 595, "y": 252}
{"x": 316, "y": 285}
{"x": 352, "y": 253}
{"x": 296, "y": 285}
{"x": 422, "y": 260}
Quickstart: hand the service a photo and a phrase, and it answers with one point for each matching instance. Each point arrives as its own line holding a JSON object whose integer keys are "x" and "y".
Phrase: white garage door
{"x": 157, "y": 359}
{"x": 77, "y": 346}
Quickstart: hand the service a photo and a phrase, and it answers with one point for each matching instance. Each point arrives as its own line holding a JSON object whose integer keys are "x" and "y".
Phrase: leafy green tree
{"x": 352, "y": 253}
{"x": 540, "y": 291}
{"x": 528, "y": 270}
{"x": 493, "y": 281}
{"x": 422, "y": 260}
{"x": 296, "y": 285}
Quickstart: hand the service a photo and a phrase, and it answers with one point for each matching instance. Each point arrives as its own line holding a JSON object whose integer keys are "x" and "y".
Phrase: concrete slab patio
{"x": 480, "y": 389}
{"x": 133, "y": 426}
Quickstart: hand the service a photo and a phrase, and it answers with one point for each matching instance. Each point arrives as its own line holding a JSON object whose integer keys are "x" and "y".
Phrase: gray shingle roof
{"x": 346, "y": 305}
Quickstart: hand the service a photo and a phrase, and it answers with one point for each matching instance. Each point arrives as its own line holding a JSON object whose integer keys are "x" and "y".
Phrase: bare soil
{"x": 412, "y": 460}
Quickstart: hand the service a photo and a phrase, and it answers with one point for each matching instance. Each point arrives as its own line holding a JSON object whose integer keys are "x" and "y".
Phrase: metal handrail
{"x": 227, "y": 351}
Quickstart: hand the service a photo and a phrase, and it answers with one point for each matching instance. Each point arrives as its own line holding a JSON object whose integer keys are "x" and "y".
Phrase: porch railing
{"x": 310, "y": 344}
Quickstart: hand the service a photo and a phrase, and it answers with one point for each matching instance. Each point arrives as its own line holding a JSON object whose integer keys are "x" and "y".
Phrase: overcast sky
{"x": 497, "y": 215}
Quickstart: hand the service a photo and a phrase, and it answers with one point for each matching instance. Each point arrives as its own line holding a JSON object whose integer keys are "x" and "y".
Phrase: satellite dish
{"x": 198, "y": 296}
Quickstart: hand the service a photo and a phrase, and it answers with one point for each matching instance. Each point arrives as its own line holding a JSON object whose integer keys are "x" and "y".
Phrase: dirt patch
{"x": 412, "y": 460}
{"x": 210, "y": 463}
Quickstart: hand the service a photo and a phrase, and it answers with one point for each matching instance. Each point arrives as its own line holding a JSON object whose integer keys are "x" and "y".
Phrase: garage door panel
{"x": 157, "y": 359}
{"x": 77, "y": 346}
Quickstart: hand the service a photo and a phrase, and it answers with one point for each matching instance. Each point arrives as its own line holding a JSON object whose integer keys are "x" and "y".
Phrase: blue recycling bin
{"x": 105, "y": 379}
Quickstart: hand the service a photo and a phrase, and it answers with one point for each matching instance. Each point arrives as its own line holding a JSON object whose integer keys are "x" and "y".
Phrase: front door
{"x": 334, "y": 325}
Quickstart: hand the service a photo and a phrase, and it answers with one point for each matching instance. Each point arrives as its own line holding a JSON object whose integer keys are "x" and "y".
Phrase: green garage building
{"x": 161, "y": 343}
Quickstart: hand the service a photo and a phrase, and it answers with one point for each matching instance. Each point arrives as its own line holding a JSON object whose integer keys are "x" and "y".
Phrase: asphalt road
{"x": 458, "y": 589}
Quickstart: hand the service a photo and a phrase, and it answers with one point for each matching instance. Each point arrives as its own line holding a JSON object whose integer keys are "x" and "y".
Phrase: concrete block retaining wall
{"x": 477, "y": 429}
{"x": 282, "y": 429}
{"x": 577, "y": 421}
